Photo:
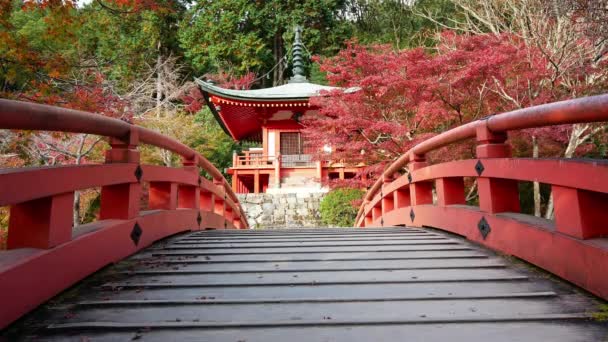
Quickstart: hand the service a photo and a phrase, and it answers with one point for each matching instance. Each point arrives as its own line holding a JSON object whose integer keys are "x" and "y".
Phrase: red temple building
{"x": 271, "y": 117}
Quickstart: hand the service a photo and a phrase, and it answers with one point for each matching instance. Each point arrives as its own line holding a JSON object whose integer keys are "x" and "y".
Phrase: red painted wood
{"x": 402, "y": 198}
{"x": 583, "y": 262}
{"x": 41, "y": 223}
{"x": 162, "y": 195}
{"x": 574, "y": 247}
{"x": 155, "y": 173}
{"x": 206, "y": 201}
{"x": 21, "y": 185}
{"x": 120, "y": 201}
{"x": 450, "y": 190}
{"x": 586, "y": 109}
{"x": 548, "y": 171}
{"x": 580, "y": 213}
{"x": 498, "y": 195}
{"x": 23, "y": 271}
{"x": 218, "y": 206}
{"x": 41, "y": 211}
{"x": 388, "y": 204}
{"x": 188, "y": 197}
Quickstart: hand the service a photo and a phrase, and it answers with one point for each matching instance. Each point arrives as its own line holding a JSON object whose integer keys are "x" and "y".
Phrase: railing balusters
{"x": 162, "y": 195}
{"x": 450, "y": 190}
{"x": 580, "y": 213}
{"x": 122, "y": 201}
{"x": 420, "y": 192}
{"x": 188, "y": 195}
{"x": 495, "y": 194}
{"x": 572, "y": 246}
{"x": 402, "y": 198}
{"x": 41, "y": 223}
{"x": 41, "y": 204}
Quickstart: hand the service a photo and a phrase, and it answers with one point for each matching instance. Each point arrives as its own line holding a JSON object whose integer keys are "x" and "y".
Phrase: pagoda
{"x": 271, "y": 116}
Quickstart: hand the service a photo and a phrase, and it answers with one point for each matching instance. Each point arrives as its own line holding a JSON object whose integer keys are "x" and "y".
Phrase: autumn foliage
{"x": 395, "y": 99}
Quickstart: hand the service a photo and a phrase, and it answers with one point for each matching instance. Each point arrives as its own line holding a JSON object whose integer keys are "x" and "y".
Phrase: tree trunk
{"x": 574, "y": 141}
{"x": 167, "y": 158}
{"x": 76, "y": 209}
{"x": 277, "y": 74}
{"x": 159, "y": 84}
{"x": 536, "y": 184}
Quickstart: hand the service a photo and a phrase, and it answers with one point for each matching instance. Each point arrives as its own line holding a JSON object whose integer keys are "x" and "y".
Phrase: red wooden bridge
{"x": 421, "y": 268}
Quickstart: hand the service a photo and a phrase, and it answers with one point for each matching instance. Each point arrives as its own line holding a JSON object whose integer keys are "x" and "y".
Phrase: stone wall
{"x": 282, "y": 209}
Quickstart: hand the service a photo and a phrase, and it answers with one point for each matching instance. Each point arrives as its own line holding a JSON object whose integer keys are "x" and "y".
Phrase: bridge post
{"x": 580, "y": 213}
{"x": 219, "y": 204}
{"x": 122, "y": 201}
{"x": 401, "y": 198}
{"x": 450, "y": 190}
{"x": 206, "y": 202}
{"x": 368, "y": 220}
{"x": 41, "y": 223}
{"x": 388, "y": 201}
{"x": 420, "y": 192}
{"x": 495, "y": 195}
{"x": 162, "y": 195}
{"x": 189, "y": 195}
{"x": 376, "y": 212}
{"x": 229, "y": 214}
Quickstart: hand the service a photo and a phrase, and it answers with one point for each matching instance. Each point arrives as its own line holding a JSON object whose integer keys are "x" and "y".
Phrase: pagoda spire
{"x": 298, "y": 60}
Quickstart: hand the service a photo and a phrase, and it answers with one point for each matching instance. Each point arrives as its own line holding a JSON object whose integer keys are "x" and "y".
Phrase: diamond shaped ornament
{"x": 139, "y": 173}
{"x": 136, "y": 233}
{"x": 479, "y": 167}
{"x": 484, "y": 227}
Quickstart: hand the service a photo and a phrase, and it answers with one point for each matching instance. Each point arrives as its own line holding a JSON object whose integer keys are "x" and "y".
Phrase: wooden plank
{"x": 318, "y": 285}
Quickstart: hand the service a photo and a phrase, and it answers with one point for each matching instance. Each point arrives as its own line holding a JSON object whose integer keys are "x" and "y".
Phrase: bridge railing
{"x": 573, "y": 246}
{"x": 45, "y": 255}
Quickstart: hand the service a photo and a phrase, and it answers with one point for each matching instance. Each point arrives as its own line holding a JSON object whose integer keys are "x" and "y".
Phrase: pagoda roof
{"x": 242, "y": 113}
{"x": 286, "y": 92}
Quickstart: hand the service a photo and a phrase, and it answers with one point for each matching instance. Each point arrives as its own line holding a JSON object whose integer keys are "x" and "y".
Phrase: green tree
{"x": 337, "y": 207}
{"x": 398, "y": 22}
{"x": 250, "y": 36}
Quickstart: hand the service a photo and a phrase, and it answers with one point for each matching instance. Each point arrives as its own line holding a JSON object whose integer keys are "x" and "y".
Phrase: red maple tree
{"x": 403, "y": 97}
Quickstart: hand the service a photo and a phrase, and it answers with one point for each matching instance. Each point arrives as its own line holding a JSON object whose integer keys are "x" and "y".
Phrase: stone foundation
{"x": 282, "y": 210}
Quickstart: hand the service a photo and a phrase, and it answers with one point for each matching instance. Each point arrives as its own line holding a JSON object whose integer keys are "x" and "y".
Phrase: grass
{"x": 602, "y": 314}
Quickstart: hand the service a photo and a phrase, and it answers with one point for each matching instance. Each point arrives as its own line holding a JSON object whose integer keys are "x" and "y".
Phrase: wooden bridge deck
{"x": 396, "y": 284}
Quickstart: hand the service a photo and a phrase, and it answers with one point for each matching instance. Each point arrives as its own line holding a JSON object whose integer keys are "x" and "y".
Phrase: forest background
{"x": 422, "y": 66}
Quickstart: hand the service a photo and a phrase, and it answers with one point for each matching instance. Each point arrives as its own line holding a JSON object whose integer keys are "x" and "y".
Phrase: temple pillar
{"x": 277, "y": 171}
{"x": 235, "y": 181}
{"x": 256, "y": 182}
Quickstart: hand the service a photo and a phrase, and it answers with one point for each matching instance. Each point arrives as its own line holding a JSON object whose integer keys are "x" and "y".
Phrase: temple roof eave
{"x": 287, "y": 92}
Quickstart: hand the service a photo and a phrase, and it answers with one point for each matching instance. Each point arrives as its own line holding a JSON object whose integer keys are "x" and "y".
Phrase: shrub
{"x": 337, "y": 207}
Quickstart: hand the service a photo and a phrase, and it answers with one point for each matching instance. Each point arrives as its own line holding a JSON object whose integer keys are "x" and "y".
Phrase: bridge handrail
{"x": 45, "y": 252}
{"x": 573, "y": 245}
{"x": 581, "y": 110}
{"x": 32, "y": 116}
